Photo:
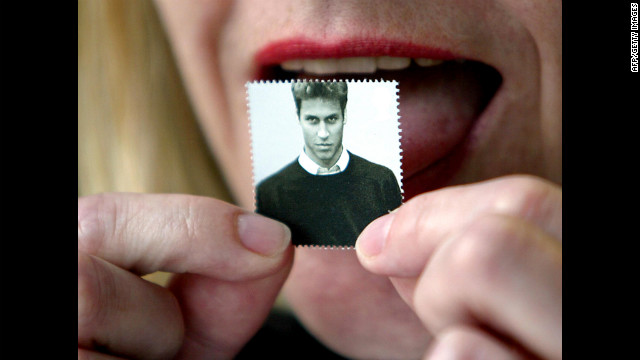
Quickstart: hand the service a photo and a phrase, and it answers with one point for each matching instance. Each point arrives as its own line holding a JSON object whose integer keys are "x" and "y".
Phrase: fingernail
{"x": 263, "y": 235}
{"x": 372, "y": 240}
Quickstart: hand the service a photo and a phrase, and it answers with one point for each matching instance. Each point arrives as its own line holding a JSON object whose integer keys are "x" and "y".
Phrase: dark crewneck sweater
{"x": 329, "y": 210}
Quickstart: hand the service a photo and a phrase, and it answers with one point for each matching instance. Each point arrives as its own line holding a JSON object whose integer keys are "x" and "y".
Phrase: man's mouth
{"x": 441, "y": 95}
{"x": 324, "y": 147}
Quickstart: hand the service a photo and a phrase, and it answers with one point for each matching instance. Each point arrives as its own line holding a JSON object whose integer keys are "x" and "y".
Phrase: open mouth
{"x": 441, "y": 96}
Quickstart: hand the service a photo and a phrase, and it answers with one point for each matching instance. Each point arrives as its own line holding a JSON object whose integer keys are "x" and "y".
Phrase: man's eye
{"x": 313, "y": 120}
{"x": 332, "y": 119}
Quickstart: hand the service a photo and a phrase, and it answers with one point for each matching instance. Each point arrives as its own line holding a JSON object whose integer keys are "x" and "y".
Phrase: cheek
{"x": 196, "y": 30}
{"x": 337, "y": 131}
{"x": 308, "y": 132}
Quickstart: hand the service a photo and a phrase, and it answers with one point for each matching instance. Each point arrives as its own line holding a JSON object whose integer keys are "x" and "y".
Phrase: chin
{"x": 353, "y": 312}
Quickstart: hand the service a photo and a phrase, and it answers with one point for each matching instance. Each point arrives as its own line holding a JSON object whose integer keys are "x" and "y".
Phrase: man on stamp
{"x": 328, "y": 195}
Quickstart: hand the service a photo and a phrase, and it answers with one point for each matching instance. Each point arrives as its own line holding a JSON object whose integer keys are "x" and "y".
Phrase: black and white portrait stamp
{"x": 326, "y": 156}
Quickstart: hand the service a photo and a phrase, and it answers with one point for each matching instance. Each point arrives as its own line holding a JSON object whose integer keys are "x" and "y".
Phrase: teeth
{"x": 428, "y": 62}
{"x": 292, "y": 65}
{"x": 354, "y": 64}
{"x": 392, "y": 63}
{"x": 357, "y": 65}
{"x": 344, "y": 65}
{"x": 321, "y": 66}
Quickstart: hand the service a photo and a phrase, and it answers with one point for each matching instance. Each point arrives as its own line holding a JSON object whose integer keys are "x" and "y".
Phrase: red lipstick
{"x": 302, "y": 48}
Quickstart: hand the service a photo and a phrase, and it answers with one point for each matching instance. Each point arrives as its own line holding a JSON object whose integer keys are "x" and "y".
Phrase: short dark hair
{"x": 334, "y": 90}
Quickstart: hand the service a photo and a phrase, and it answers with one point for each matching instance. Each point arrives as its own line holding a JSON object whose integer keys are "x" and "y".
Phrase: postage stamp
{"x": 326, "y": 156}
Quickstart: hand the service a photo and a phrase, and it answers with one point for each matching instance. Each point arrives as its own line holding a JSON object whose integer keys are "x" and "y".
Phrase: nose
{"x": 322, "y": 131}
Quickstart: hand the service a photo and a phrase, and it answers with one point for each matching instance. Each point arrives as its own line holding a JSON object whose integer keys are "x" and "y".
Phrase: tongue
{"x": 438, "y": 106}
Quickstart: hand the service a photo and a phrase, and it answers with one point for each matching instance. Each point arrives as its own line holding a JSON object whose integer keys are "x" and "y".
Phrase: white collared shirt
{"x": 312, "y": 168}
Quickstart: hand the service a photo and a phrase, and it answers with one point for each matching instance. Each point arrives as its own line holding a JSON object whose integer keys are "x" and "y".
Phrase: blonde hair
{"x": 136, "y": 129}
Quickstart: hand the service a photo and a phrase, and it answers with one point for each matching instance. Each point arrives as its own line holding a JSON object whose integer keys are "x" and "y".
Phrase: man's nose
{"x": 322, "y": 131}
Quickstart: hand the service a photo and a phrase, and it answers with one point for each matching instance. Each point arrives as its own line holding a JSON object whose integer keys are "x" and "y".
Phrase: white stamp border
{"x": 370, "y": 102}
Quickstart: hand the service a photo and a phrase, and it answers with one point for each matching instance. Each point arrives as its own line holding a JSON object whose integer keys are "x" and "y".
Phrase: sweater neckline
{"x": 340, "y": 174}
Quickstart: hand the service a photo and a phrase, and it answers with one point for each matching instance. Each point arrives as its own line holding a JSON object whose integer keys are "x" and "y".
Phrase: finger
{"x": 400, "y": 244}
{"x": 222, "y": 316}
{"x": 464, "y": 343}
{"x": 122, "y": 314}
{"x": 84, "y": 354}
{"x": 186, "y": 234}
{"x": 501, "y": 273}
{"x": 178, "y": 233}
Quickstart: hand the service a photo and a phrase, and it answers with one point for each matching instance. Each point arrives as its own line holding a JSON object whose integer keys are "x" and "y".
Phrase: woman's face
{"x": 493, "y": 107}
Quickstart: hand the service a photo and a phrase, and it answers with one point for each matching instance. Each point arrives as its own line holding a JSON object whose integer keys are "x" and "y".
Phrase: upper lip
{"x": 303, "y": 48}
{"x": 481, "y": 30}
{"x": 300, "y": 48}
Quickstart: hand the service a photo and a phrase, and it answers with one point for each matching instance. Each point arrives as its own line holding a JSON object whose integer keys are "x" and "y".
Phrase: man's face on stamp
{"x": 322, "y": 124}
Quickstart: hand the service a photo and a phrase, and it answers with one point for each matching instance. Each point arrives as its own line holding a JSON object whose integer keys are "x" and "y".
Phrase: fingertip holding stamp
{"x": 326, "y": 178}
{"x": 262, "y": 235}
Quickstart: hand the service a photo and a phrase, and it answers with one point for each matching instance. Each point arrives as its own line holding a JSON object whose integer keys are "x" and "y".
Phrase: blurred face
{"x": 322, "y": 123}
{"x": 480, "y": 94}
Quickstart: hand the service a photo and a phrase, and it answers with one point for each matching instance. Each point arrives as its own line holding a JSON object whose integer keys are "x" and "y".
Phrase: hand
{"x": 481, "y": 266}
{"x": 231, "y": 266}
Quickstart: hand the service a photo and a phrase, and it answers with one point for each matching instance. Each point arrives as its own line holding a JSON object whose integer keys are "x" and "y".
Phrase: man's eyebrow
{"x": 311, "y": 116}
